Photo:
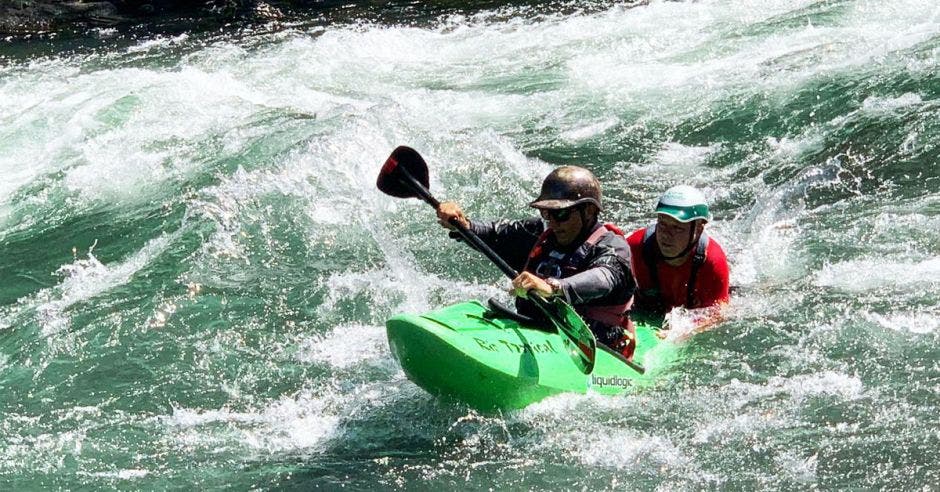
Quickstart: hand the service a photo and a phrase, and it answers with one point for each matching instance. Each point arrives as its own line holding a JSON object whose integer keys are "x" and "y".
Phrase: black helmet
{"x": 568, "y": 186}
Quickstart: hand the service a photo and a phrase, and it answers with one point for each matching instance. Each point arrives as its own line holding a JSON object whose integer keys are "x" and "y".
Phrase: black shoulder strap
{"x": 698, "y": 259}
{"x": 651, "y": 254}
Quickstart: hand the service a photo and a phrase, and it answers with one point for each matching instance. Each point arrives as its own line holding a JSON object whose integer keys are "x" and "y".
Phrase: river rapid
{"x": 196, "y": 266}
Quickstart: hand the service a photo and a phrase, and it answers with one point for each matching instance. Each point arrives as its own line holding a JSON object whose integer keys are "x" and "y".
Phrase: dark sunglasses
{"x": 559, "y": 215}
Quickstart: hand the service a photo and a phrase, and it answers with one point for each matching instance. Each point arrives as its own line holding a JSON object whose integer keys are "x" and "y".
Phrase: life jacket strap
{"x": 608, "y": 315}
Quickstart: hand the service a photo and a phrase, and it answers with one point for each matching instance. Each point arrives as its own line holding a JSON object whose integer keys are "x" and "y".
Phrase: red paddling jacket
{"x": 701, "y": 281}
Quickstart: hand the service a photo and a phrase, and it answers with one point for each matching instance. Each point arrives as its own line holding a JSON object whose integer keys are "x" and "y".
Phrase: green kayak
{"x": 488, "y": 359}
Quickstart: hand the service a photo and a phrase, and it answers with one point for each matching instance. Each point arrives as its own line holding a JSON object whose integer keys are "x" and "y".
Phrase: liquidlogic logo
{"x": 611, "y": 381}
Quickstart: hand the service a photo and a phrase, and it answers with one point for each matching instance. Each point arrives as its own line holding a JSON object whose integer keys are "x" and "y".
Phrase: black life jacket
{"x": 547, "y": 263}
{"x": 650, "y": 256}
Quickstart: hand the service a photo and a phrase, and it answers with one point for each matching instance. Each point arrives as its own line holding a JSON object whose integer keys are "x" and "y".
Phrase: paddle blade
{"x": 390, "y": 179}
{"x": 577, "y": 337}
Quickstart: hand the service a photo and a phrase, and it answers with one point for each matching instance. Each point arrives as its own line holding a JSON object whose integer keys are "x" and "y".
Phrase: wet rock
{"x": 20, "y": 17}
{"x": 26, "y": 17}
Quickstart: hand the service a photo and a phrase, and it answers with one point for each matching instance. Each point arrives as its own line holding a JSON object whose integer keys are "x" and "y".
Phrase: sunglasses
{"x": 559, "y": 215}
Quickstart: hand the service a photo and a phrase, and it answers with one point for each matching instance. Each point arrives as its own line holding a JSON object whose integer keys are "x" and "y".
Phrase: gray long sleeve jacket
{"x": 604, "y": 277}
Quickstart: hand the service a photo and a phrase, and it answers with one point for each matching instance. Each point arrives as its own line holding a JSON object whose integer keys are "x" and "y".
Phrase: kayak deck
{"x": 468, "y": 352}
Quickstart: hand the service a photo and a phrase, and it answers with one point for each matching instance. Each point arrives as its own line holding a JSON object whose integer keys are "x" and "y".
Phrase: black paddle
{"x": 405, "y": 175}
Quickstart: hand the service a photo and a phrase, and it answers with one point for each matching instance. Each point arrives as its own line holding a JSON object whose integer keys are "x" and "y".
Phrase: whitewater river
{"x": 196, "y": 267}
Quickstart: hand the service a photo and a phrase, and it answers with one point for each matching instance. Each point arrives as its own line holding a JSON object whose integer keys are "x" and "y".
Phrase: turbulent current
{"x": 196, "y": 266}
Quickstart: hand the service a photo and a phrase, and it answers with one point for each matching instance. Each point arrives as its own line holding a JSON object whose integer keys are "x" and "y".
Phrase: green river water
{"x": 196, "y": 267}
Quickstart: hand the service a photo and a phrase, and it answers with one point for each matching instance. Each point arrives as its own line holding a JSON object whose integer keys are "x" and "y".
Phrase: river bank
{"x": 23, "y": 18}
{"x": 27, "y": 19}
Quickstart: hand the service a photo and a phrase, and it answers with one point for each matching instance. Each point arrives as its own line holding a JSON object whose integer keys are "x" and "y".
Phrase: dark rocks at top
{"x": 19, "y": 17}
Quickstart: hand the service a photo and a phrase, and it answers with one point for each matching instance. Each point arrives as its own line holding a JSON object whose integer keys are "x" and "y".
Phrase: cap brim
{"x": 678, "y": 213}
{"x": 552, "y": 204}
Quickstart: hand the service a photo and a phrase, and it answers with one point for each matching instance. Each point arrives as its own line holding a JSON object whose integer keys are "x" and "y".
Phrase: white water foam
{"x": 125, "y": 474}
{"x": 158, "y": 42}
{"x": 59, "y": 440}
{"x": 912, "y": 322}
{"x": 682, "y": 50}
{"x": 683, "y": 160}
{"x": 886, "y": 105}
{"x": 308, "y": 421}
{"x": 286, "y": 424}
{"x": 796, "y": 467}
{"x": 741, "y": 396}
{"x": 867, "y": 275}
{"x": 609, "y": 439}
{"x": 87, "y": 278}
{"x": 741, "y": 411}
{"x": 430, "y": 78}
{"x": 589, "y": 130}
{"x": 44, "y": 452}
{"x": 625, "y": 449}
{"x": 347, "y": 347}
{"x": 384, "y": 288}
{"x": 775, "y": 226}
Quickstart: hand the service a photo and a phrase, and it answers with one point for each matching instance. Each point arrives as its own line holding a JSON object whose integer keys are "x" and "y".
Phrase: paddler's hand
{"x": 526, "y": 281}
{"x": 448, "y": 211}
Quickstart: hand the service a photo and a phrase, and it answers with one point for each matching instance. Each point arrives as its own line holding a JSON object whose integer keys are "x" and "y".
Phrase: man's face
{"x": 672, "y": 236}
{"x": 566, "y": 223}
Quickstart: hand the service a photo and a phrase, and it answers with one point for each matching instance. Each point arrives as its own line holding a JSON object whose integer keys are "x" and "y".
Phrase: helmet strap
{"x": 585, "y": 227}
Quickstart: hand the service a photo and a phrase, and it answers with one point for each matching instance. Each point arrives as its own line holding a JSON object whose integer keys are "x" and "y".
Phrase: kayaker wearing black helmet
{"x": 568, "y": 252}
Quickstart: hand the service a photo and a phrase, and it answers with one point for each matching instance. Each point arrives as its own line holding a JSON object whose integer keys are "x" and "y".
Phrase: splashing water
{"x": 223, "y": 324}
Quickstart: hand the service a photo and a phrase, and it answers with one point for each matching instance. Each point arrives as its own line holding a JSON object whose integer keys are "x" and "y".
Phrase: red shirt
{"x": 711, "y": 284}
